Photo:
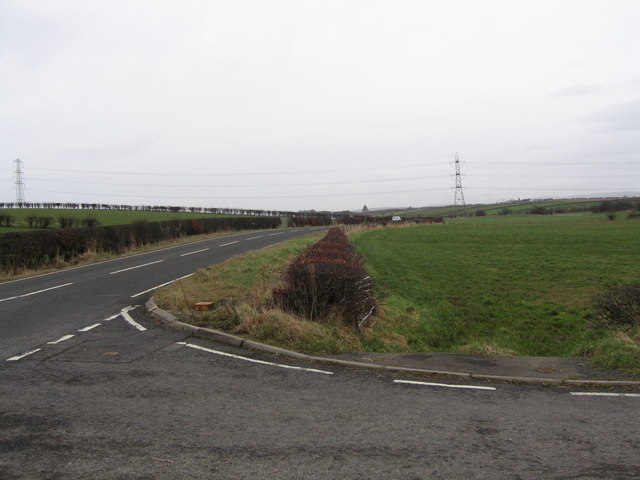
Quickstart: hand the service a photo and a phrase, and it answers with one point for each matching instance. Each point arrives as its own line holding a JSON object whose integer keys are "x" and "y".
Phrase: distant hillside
{"x": 570, "y": 205}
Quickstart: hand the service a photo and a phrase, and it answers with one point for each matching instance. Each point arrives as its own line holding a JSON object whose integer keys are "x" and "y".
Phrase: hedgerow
{"x": 329, "y": 276}
{"x": 31, "y": 250}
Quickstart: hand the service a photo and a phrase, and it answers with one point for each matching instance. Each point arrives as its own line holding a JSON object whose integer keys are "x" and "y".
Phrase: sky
{"x": 324, "y": 105}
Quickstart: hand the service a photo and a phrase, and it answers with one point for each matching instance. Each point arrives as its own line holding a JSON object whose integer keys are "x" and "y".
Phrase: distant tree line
{"x": 154, "y": 208}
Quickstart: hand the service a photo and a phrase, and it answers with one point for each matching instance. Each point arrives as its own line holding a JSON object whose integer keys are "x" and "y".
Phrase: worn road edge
{"x": 171, "y": 321}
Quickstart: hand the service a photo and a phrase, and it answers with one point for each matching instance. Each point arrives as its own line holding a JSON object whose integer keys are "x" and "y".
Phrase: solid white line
{"x": 252, "y": 360}
{"x": 34, "y": 293}
{"x": 230, "y": 243}
{"x": 604, "y": 394}
{"x": 429, "y": 384}
{"x": 253, "y": 238}
{"x": 192, "y": 253}
{"x": 125, "y": 314}
{"x": 160, "y": 286}
{"x": 90, "y": 327}
{"x": 61, "y": 339}
{"x": 19, "y": 357}
{"x": 152, "y": 289}
{"x": 137, "y": 266}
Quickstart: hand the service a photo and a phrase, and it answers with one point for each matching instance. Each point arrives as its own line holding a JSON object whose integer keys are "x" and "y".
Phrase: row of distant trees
{"x": 153, "y": 208}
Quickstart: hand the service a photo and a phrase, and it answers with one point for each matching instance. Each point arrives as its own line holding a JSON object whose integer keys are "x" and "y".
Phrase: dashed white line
{"x": 604, "y": 394}
{"x": 193, "y": 253}
{"x": 61, "y": 339}
{"x": 274, "y": 234}
{"x": 35, "y": 293}
{"x": 230, "y": 243}
{"x": 90, "y": 327}
{"x": 20, "y": 357}
{"x": 125, "y": 314}
{"x": 253, "y": 360}
{"x": 253, "y": 238}
{"x": 445, "y": 385}
{"x": 137, "y": 266}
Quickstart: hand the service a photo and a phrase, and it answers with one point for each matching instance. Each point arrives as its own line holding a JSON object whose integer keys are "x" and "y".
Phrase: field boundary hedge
{"x": 328, "y": 276}
{"x": 31, "y": 250}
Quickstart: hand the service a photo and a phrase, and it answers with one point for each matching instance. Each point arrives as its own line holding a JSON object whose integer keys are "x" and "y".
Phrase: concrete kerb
{"x": 171, "y": 321}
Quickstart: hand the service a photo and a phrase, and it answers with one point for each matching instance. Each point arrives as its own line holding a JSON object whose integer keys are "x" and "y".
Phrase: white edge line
{"x": 61, "y": 339}
{"x": 90, "y": 327}
{"x": 193, "y": 253}
{"x": 126, "y": 257}
{"x": 39, "y": 291}
{"x": 137, "y": 266}
{"x": 604, "y": 394}
{"x": 429, "y": 384}
{"x": 230, "y": 243}
{"x": 152, "y": 289}
{"x": 20, "y": 357}
{"x": 252, "y": 360}
{"x": 125, "y": 314}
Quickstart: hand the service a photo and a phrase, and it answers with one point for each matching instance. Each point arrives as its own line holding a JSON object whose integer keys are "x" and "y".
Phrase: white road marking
{"x": 137, "y": 266}
{"x": 604, "y": 394}
{"x": 112, "y": 317}
{"x": 159, "y": 286}
{"x": 34, "y": 293}
{"x": 61, "y": 339}
{"x": 152, "y": 289}
{"x": 429, "y": 384}
{"x": 273, "y": 234}
{"x": 253, "y": 238}
{"x": 193, "y": 253}
{"x": 125, "y": 314}
{"x": 230, "y": 243}
{"x": 253, "y": 360}
{"x": 20, "y": 357}
{"x": 90, "y": 327}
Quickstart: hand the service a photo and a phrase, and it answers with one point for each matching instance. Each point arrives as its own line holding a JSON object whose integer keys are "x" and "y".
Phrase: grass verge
{"x": 519, "y": 289}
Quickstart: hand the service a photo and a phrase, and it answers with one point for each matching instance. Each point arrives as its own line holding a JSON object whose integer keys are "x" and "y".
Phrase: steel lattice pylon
{"x": 19, "y": 182}
{"x": 458, "y": 201}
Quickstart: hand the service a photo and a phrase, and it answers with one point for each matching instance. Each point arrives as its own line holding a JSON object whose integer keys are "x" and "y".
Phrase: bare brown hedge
{"x": 329, "y": 275}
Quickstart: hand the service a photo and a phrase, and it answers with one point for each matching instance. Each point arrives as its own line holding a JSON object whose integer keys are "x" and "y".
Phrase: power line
{"x": 353, "y": 182}
{"x": 245, "y": 197}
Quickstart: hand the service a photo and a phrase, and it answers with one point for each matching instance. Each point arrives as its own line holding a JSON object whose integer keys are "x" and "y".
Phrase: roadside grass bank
{"x": 520, "y": 288}
{"x": 483, "y": 288}
{"x": 242, "y": 289}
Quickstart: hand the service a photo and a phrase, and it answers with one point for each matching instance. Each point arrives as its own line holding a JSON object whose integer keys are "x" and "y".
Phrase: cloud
{"x": 577, "y": 90}
{"x": 619, "y": 117}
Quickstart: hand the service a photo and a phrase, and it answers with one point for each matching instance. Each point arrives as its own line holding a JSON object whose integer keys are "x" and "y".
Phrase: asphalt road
{"x": 114, "y": 396}
{"x": 36, "y": 310}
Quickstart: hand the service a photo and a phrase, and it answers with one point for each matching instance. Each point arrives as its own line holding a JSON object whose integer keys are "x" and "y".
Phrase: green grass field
{"x": 515, "y": 208}
{"x": 486, "y": 287}
{"x": 521, "y": 285}
{"x": 105, "y": 217}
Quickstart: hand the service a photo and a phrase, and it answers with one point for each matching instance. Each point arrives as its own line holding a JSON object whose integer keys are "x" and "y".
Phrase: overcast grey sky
{"x": 325, "y": 105}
